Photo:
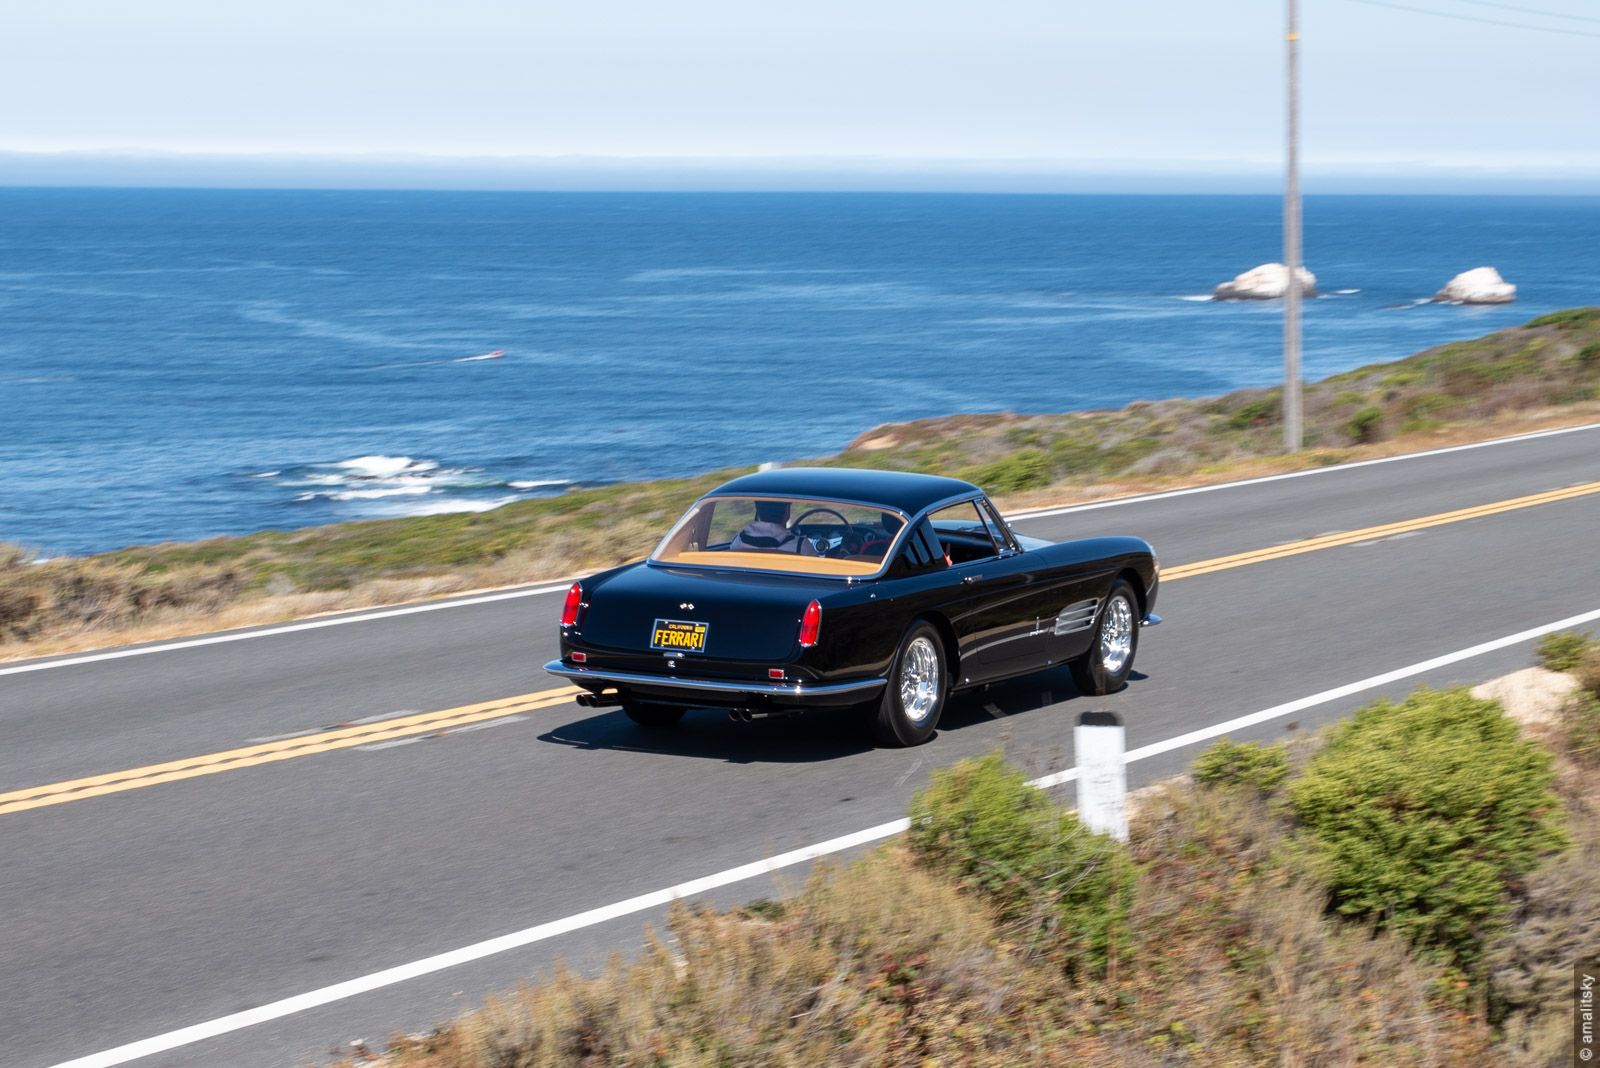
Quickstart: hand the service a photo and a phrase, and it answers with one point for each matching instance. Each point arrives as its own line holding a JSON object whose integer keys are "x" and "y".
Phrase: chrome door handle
{"x": 970, "y": 578}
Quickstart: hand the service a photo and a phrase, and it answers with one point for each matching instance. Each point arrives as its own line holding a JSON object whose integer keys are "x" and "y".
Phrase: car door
{"x": 1056, "y": 596}
{"x": 984, "y": 594}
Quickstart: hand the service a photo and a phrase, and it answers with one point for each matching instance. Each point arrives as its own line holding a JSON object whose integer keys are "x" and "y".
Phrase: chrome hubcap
{"x": 1116, "y": 635}
{"x": 919, "y": 680}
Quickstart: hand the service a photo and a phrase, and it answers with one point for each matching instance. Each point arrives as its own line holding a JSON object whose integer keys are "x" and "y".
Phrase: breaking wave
{"x": 380, "y": 485}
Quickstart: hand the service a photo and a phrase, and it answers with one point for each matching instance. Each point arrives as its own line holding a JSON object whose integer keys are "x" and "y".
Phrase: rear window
{"x": 787, "y": 534}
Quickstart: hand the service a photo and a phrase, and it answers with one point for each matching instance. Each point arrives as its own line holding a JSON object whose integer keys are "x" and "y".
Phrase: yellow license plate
{"x": 679, "y": 636}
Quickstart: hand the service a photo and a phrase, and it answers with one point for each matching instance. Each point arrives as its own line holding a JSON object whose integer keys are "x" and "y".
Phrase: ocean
{"x": 177, "y": 363}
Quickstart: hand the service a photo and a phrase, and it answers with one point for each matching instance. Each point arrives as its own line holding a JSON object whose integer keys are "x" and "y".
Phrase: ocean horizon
{"x": 176, "y": 364}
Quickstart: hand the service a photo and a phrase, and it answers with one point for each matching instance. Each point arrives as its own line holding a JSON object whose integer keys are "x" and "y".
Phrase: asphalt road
{"x": 144, "y": 911}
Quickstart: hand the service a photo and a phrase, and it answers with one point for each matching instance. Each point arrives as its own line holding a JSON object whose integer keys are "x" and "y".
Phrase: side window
{"x": 920, "y": 552}
{"x": 997, "y": 527}
{"x": 963, "y": 534}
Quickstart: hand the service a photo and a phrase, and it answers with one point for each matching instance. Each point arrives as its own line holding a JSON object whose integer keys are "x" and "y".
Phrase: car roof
{"x": 904, "y": 490}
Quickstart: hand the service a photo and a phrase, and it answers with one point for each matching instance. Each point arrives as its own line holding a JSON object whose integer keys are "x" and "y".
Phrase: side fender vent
{"x": 1077, "y": 616}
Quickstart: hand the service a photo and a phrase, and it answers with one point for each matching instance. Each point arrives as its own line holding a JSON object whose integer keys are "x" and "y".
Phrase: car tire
{"x": 652, "y": 717}
{"x": 1105, "y": 667}
{"x": 908, "y": 713}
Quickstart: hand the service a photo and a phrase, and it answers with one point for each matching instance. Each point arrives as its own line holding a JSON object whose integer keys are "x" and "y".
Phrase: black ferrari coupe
{"x": 805, "y": 588}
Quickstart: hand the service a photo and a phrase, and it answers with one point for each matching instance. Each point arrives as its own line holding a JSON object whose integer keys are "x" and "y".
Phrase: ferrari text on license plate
{"x": 679, "y": 636}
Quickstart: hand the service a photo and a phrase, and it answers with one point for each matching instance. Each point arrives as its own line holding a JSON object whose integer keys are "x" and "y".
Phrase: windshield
{"x": 789, "y": 534}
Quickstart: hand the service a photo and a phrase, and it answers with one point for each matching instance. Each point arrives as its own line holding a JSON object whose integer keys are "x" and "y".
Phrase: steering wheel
{"x": 843, "y": 523}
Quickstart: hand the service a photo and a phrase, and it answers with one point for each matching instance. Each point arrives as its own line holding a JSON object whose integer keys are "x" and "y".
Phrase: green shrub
{"x": 1255, "y": 413}
{"x": 1363, "y": 426}
{"x": 1587, "y": 670}
{"x": 1569, "y": 317}
{"x": 1562, "y": 651}
{"x": 1589, "y": 355}
{"x": 1580, "y": 726}
{"x": 1401, "y": 379}
{"x": 1230, "y": 763}
{"x": 1418, "y": 815}
{"x": 980, "y": 823}
{"x": 1025, "y": 469}
{"x": 1529, "y": 964}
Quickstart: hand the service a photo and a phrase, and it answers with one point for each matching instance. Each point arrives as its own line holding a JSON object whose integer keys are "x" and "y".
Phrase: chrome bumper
{"x": 763, "y": 689}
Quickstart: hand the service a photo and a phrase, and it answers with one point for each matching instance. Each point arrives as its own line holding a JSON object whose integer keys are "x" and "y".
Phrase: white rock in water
{"x": 1481, "y": 285}
{"x": 1270, "y": 281}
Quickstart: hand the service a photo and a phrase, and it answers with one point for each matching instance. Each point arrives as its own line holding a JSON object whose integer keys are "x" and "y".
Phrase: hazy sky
{"x": 1105, "y": 85}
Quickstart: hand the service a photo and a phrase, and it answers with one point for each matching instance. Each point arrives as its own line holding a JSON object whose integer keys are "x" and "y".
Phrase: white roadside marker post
{"x": 1099, "y": 742}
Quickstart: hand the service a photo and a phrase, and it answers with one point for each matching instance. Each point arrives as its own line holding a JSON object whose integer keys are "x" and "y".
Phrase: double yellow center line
{"x": 1387, "y": 530}
{"x": 423, "y": 723}
{"x": 286, "y": 749}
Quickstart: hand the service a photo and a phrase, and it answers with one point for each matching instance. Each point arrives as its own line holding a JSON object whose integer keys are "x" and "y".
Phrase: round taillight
{"x": 569, "y": 611}
{"x": 811, "y": 625}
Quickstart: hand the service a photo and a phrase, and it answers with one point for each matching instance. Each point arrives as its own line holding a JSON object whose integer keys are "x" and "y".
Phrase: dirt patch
{"x": 1533, "y": 696}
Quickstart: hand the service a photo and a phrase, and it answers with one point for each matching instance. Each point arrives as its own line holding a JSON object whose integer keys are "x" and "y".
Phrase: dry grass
{"x": 1233, "y": 958}
{"x": 1232, "y": 961}
{"x": 1542, "y": 375}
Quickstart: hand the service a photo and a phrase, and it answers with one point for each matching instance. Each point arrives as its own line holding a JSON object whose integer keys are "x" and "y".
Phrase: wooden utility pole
{"x": 1292, "y": 433}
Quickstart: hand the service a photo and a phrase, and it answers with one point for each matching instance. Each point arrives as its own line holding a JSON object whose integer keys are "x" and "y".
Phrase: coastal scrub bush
{"x": 1066, "y": 887}
{"x": 1580, "y": 727}
{"x": 1363, "y": 426}
{"x": 1230, "y": 763}
{"x": 1255, "y": 413}
{"x": 1024, "y": 469}
{"x": 1529, "y": 964}
{"x": 1569, "y": 317}
{"x": 1587, "y": 670}
{"x": 1418, "y": 815}
{"x": 18, "y": 610}
{"x": 1589, "y": 355}
{"x": 1562, "y": 651}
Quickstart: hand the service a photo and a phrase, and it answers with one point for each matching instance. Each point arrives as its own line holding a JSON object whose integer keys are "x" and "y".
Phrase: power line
{"x": 1530, "y": 10}
{"x": 1475, "y": 18}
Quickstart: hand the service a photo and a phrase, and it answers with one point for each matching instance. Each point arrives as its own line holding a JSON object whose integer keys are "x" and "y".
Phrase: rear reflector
{"x": 811, "y": 625}
{"x": 569, "y": 611}
{"x": 580, "y": 658}
{"x": 774, "y": 673}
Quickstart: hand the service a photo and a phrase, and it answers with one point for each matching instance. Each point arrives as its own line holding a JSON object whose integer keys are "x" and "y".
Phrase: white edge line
{"x": 1041, "y": 513}
{"x": 478, "y": 950}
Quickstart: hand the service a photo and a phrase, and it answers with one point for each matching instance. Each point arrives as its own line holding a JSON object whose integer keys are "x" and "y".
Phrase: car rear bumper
{"x": 728, "y": 693}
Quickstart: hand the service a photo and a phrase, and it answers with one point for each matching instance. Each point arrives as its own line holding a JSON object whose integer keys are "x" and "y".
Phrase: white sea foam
{"x": 385, "y": 466}
{"x": 1345, "y": 292}
{"x": 444, "y": 506}
{"x": 383, "y": 485}
{"x": 408, "y": 490}
{"x": 1199, "y": 298}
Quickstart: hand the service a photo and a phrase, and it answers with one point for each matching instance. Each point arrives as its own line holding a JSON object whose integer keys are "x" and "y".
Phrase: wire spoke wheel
{"x": 919, "y": 680}
{"x": 1116, "y": 635}
{"x": 907, "y": 712}
{"x": 1105, "y": 666}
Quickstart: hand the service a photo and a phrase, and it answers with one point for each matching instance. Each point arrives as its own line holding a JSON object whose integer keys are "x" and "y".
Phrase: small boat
{"x": 495, "y": 355}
